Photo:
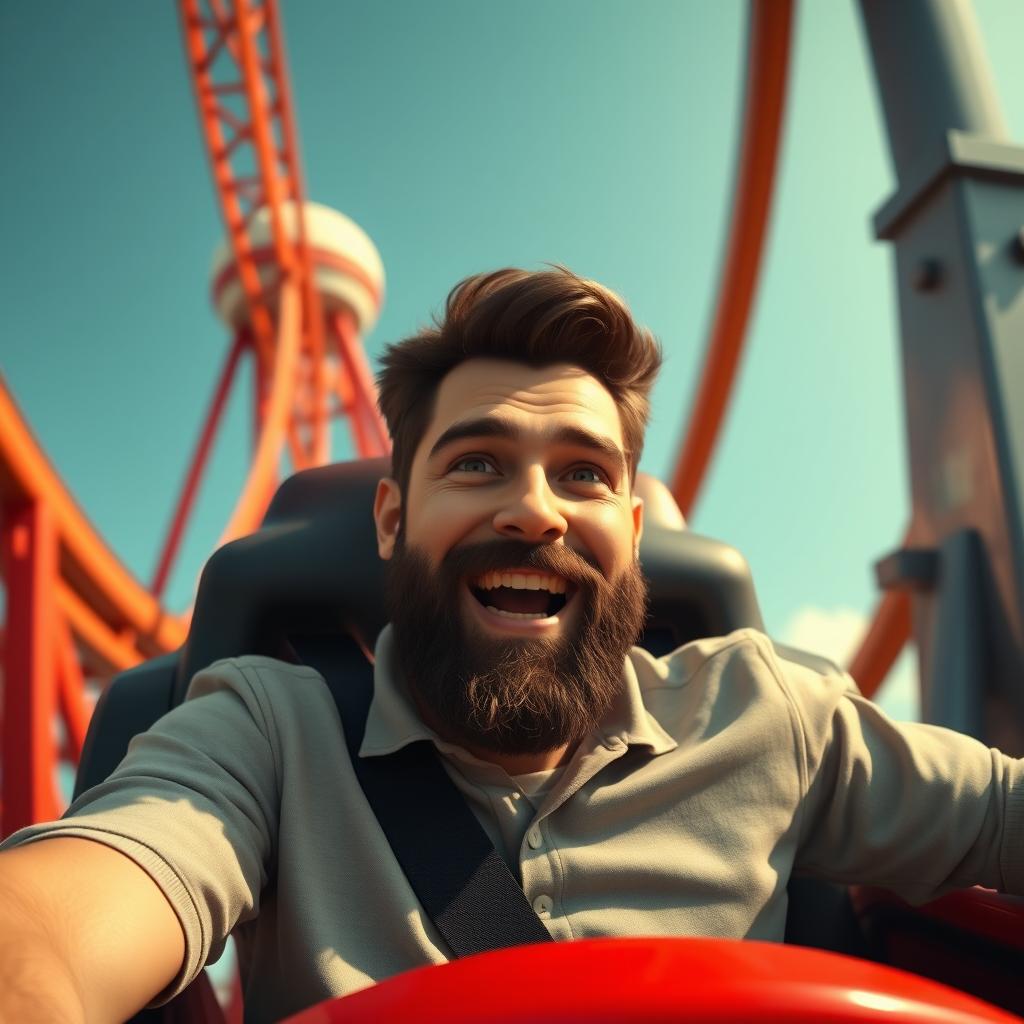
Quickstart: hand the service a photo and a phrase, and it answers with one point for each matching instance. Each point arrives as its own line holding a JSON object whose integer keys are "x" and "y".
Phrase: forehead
{"x": 533, "y": 397}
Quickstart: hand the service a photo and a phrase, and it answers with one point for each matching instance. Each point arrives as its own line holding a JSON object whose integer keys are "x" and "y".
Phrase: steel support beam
{"x": 28, "y": 540}
{"x": 954, "y": 223}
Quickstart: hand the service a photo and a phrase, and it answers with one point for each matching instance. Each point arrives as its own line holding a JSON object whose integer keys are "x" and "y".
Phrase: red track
{"x": 73, "y": 611}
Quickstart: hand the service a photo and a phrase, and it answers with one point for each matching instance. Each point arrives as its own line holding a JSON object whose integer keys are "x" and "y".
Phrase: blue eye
{"x": 473, "y": 464}
{"x": 585, "y": 475}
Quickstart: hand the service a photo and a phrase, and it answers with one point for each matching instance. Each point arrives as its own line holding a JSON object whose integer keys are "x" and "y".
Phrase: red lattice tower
{"x": 298, "y": 292}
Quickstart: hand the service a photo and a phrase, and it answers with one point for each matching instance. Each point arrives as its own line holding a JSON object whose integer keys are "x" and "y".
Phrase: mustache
{"x": 488, "y": 556}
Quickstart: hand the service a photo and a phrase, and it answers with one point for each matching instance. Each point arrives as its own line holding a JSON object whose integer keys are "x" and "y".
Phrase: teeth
{"x": 516, "y": 615}
{"x": 521, "y": 581}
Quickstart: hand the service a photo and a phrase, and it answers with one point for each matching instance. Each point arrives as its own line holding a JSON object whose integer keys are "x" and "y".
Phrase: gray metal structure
{"x": 956, "y": 223}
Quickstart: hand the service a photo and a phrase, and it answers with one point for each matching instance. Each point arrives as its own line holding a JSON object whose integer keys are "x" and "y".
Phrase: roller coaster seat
{"x": 312, "y": 568}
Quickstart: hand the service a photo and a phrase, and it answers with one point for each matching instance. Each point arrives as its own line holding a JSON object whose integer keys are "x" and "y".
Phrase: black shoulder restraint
{"x": 464, "y": 886}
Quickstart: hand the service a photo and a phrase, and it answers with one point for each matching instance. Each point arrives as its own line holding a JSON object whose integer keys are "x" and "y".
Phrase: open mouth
{"x": 521, "y": 594}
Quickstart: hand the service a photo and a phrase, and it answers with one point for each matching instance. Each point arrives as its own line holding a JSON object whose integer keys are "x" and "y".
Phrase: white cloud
{"x": 836, "y": 633}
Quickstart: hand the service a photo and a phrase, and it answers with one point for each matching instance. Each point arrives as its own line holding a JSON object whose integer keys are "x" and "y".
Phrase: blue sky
{"x": 465, "y": 136}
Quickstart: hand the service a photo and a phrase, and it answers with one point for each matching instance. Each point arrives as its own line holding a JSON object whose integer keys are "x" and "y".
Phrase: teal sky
{"x": 464, "y": 136}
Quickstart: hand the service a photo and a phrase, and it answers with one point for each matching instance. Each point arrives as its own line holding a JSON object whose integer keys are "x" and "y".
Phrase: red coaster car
{"x": 704, "y": 981}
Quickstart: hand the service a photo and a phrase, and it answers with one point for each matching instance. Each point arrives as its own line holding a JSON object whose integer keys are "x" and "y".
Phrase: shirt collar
{"x": 628, "y": 720}
{"x": 393, "y": 722}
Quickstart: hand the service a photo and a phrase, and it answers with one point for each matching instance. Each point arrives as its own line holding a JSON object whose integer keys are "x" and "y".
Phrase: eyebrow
{"x": 493, "y": 426}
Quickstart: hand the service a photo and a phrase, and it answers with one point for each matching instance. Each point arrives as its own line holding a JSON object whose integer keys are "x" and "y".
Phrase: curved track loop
{"x": 239, "y": 71}
{"x": 765, "y": 99}
{"x": 238, "y": 68}
{"x": 72, "y": 603}
{"x": 112, "y": 615}
{"x": 263, "y": 473}
{"x": 72, "y": 610}
{"x": 769, "y": 45}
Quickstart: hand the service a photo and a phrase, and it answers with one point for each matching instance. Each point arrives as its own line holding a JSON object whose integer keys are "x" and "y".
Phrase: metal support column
{"x": 955, "y": 223}
{"x": 29, "y": 545}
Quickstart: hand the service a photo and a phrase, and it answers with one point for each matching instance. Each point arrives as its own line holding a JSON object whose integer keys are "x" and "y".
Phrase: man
{"x": 630, "y": 795}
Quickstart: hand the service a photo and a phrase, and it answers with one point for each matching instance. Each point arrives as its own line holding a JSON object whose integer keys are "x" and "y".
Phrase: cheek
{"x": 608, "y": 533}
{"x": 439, "y": 520}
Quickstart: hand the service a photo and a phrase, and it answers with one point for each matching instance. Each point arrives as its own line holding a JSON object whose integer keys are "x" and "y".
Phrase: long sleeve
{"x": 911, "y": 807}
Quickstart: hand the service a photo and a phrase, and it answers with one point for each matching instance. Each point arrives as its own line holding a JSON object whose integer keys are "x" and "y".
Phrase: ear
{"x": 638, "y": 522}
{"x": 387, "y": 514}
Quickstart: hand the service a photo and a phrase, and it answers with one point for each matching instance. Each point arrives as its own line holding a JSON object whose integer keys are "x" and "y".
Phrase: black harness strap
{"x": 465, "y": 887}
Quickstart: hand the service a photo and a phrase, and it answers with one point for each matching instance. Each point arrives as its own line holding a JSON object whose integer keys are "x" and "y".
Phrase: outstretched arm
{"x": 914, "y": 808}
{"x": 85, "y": 934}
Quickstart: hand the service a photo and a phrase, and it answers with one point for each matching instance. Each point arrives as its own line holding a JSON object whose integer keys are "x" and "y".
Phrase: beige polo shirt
{"x": 722, "y": 768}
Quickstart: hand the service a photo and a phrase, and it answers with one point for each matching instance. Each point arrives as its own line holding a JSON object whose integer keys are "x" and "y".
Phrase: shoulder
{"x": 251, "y": 671}
{"x": 290, "y": 706}
{"x": 269, "y": 690}
{"x": 744, "y": 669}
{"x": 744, "y": 650}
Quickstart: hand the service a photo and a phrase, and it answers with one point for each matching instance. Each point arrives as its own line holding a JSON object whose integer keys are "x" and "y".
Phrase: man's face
{"x": 514, "y": 578}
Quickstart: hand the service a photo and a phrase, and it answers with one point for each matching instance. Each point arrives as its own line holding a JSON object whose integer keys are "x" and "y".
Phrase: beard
{"x": 511, "y": 695}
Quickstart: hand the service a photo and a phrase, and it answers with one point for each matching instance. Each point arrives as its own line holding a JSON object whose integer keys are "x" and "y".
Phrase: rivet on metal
{"x": 1017, "y": 245}
{"x": 927, "y": 275}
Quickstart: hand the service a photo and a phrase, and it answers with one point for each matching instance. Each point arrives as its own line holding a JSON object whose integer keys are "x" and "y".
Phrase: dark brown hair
{"x": 534, "y": 317}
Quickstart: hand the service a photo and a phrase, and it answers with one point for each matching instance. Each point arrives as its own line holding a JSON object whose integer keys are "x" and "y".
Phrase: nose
{"x": 531, "y": 512}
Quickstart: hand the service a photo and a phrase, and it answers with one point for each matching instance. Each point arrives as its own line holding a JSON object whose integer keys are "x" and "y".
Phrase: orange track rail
{"x": 769, "y": 45}
{"x": 73, "y": 611}
{"x": 71, "y": 604}
{"x": 237, "y": 60}
{"x": 113, "y": 616}
{"x": 765, "y": 99}
{"x": 262, "y": 480}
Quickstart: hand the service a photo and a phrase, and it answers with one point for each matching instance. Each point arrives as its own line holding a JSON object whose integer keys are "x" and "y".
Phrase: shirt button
{"x": 542, "y": 906}
{"x": 533, "y": 837}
